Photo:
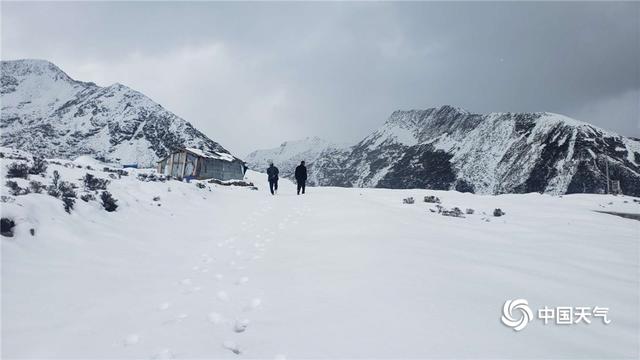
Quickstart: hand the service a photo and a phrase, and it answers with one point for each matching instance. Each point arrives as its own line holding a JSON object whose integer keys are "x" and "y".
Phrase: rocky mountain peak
{"x": 47, "y": 113}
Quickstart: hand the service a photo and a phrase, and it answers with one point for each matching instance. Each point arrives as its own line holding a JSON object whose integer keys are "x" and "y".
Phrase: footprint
{"x": 164, "y": 306}
{"x": 253, "y": 304}
{"x": 177, "y": 319}
{"x": 219, "y": 276}
{"x": 195, "y": 268}
{"x": 231, "y": 346}
{"x": 222, "y": 296}
{"x": 131, "y": 339}
{"x": 186, "y": 281}
{"x": 280, "y": 357}
{"x": 241, "y": 325}
{"x": 215, "y": 318}
{"x": 163, "y": 354}
{"x": 242, "y": 280}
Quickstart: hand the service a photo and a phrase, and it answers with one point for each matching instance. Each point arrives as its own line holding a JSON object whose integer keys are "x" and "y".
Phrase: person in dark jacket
{"x": 272, "y": 175}
{"x": 301, "y": 177}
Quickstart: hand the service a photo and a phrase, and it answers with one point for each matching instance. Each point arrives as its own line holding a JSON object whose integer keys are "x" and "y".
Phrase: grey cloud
{"x": 253, "y": 74}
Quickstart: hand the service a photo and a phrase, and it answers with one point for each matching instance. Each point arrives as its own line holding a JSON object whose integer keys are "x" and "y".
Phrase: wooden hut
{"x": 193, "y": 163}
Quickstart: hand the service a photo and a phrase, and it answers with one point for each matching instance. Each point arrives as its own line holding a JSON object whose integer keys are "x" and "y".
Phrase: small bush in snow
{"x": 56, "y": 178}
{"x": 151, "y": 177}
{"x": 6, "y": 199}
{"x": 18, "y": 170}
{"x": 156, "y": 198}
{"x": 66, "y": 189}
{"x": 119, "y": 172}
{"x": 232, "y": 183}
{"x": 68, "y": 195}
{"x": 455, "y": 212}
{"x": 408, "y": 200}
{"x": 39, "y": 166}
{"x": 15, "y": 189}
{"x": 6, "y": 227}
{"x": 93, "y": 183}
{"x": 432, "y": 199}
{"x": 87, "y": 197}
{"x": 470, "y": 211}
{"x": 108, "y": 202}
{"x": 68, "y": 204}
{"x": 36, "y": 186}
{"x": 498, "y": 212}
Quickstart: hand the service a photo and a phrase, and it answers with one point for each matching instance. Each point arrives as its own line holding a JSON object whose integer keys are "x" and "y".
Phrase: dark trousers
{"x": 273, "y": 186}
{"x": 301, "y": 185}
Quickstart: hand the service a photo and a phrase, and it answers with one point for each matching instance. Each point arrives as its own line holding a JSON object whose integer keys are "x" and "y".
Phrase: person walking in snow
{"x": 301, "y": 177}
{"x": 272, "y": 175}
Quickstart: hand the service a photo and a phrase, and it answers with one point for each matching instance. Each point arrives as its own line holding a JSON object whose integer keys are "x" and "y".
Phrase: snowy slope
{"x": 450, "y": 148}
{"x": 288, "y": 155}
{"x": 337, "y": 273}
{"x": 46, "y": 112}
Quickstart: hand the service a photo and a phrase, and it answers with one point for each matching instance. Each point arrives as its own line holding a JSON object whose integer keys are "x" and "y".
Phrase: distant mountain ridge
{"x": 46, "y": 112}
{"x": 289, "y": 154}
{"x": 451, "y": 148}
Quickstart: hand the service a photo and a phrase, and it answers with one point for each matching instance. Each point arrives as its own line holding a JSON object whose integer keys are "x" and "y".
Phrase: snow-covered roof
{"x": 211, "y": 155}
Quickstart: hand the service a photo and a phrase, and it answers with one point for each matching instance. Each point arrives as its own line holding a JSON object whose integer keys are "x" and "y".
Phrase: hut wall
{"x": 177, "y": 166}
{"x": 190, "y": 165}
{"x": 232, "y": 170}
{"x": 220, "y": 169}
{"x": 163, "y": 166}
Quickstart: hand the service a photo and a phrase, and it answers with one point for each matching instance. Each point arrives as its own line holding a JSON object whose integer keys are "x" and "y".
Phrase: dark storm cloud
{"x": 253, "y": 74}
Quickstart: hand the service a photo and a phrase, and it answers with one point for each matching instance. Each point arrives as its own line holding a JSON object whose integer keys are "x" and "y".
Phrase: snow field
{"x": 351, "y": 273}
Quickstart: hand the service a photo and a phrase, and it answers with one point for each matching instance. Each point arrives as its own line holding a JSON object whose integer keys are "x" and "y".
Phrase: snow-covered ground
{"x": 336, "y": 273}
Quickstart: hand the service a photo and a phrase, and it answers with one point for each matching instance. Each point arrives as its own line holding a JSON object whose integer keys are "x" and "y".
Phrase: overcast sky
{"x": 251, "y": 75}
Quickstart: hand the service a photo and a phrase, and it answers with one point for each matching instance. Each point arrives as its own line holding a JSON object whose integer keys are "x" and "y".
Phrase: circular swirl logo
{"x": 516, "y": 314}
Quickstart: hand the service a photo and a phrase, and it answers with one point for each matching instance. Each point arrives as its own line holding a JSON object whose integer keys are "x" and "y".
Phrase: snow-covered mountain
{"x": 289, "y": 154}
{"x": 450, "y": 148}
{"x": 47, "y": 113}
